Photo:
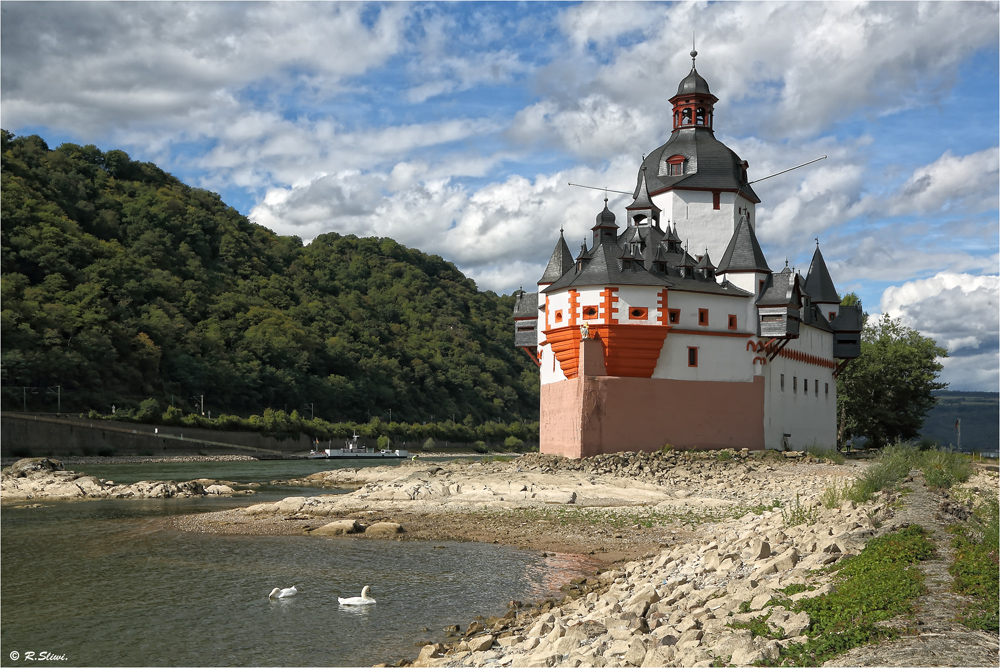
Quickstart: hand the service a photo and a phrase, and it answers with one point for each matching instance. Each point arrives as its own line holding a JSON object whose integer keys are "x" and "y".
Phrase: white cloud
{"x": 966, "y": 183}
{"x": 961, "y": 312}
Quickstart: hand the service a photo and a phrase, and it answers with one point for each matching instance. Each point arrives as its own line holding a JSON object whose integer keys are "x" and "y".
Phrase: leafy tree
{"x": 885, "y": 393}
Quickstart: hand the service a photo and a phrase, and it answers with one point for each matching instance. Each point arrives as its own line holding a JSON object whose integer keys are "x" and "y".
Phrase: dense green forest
{"x": 121, "y": 283}
{"x": 980, "y": 416}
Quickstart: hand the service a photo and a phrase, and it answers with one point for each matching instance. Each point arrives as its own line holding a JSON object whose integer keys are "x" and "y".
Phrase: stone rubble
{"x": 47, "y": 479}
{"x": 679, "y": 607}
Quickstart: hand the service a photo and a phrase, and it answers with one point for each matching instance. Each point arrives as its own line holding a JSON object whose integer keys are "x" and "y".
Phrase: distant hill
{"x": 119, "y": 283}
{"x": 980, "y": 415}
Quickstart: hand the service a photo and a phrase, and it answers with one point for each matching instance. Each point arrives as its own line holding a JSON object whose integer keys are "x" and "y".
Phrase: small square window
{"x": 805, "y": 385}
{"x": 638, "y": 313}
{"x": 559, "y": 316}
{"x": 716, "y": 200}
{"x": 833, "y": 314}
{"x": 782, "y": 382}
{"x": 692, "y": 356}
{"x": 673, "y": 316}
{"x": 590, "y": 312}
{"x": 703, "y": 317}
{"x": 732, "y": 321}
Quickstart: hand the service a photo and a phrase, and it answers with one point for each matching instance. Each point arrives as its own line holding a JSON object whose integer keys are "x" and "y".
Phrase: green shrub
{"x": 149, "y": 411}
{"x": 480, "y": 447}
{"x": 382, "y": 442}
{"x": 892, "y": 466}
{"x": 172, "y": 416}
{"x": 833, "y": 495}
{"x": 942, "y": 468}
{"x": 798, "y": 514}
{"x": 429, "y": 444}
{"x": 826, "y": 453}
{"x": 512, "y": 443}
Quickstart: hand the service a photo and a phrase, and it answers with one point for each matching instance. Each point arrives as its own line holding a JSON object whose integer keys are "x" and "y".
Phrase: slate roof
{"x": 744, "y": 252}
{"x": 560, "y": 262}
{"x": 849, "y": 319}
{"x": 526, "y": 305}
{"x": 710, "y": 164}
{"x": 693, "y": 83}
{"x": 819, "y": 284}
{"x": 779, "y": 290}
{"x": 603, "y": 267}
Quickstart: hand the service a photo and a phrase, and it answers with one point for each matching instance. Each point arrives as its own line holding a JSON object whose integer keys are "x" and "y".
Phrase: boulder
{"x": 337, "y": 528}
{"x": 384, "y": 528}
{"x": 480, "y": 643}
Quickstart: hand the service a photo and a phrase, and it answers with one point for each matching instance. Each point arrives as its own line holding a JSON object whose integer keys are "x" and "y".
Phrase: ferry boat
{"x": 353, "y": 450}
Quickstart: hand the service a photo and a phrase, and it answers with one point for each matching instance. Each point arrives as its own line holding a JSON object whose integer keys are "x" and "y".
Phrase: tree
{"x": 885, "y": 393}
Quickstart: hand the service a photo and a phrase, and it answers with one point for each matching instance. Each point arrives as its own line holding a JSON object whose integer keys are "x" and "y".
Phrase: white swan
{"x": 364, "y": 599}
{"x": 284, "y": 593}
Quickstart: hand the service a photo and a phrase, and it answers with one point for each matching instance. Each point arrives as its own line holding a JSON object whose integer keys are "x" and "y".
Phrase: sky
{"x": 455, "y": 128}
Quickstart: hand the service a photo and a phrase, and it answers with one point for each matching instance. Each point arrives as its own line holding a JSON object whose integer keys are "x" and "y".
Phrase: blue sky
{"x": 455, "y": 127}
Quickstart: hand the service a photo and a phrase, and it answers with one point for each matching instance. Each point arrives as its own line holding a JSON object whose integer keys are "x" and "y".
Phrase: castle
{"x": 641, "y": 344}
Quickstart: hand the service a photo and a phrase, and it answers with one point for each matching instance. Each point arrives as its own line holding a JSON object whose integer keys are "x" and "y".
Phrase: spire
{"x": 744, "y": 252}
{"x": 560, "y": 262}
{"x": 819, "y": 283}
{"x": 642, "y": 210}
{"x": 605, "y": 229}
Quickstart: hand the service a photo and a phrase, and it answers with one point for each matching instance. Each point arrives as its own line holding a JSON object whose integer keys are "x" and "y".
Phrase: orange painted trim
{"x": 630, "y": 350}
{"x": 591, "y": 312}
{"x": 674, "y": 316}
{"x": 703, "y": 317}
{"x": 547, "y": 312}
{"x": 638, "y": 313}
{"x": 661, "y": 303}
{"x": 610, "y": 305}
{"x": 698, "y": 332}
{"x": 565, "y": 343}
{"x": 806, "y": 358}
{"x": 692, "y": 356}
{"x": 574, "y": 302}
{"x": 733, "y": 321}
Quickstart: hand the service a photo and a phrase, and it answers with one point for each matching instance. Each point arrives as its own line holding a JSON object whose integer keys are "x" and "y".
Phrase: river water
{"x": 105, "y": 583}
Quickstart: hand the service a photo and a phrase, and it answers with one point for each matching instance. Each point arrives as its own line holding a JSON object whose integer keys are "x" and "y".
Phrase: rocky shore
{"x": 696, "y": 546}
{"x": 43, "y": 479}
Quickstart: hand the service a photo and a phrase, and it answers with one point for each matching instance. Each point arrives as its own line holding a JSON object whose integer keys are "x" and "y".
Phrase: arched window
{"x": 699, "y": 116}
{"x": 686, "y": 116}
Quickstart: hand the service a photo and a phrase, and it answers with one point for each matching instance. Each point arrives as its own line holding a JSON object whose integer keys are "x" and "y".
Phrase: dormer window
{"x": 675, "y": 165}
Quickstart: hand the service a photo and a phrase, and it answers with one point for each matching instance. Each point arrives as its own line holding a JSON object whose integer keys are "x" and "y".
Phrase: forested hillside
{"x": 121, "y": 283}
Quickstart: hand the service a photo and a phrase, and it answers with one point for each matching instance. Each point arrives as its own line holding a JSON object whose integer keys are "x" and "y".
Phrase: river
{"x": 105, "y": 583}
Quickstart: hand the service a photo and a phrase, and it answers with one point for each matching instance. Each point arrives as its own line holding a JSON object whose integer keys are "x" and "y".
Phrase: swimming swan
{"x": 364, "y": 599}
{"x": 284, "y": 593}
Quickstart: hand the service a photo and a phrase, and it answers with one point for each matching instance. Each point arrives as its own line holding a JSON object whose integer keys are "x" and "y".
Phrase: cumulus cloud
{"x": 967, "y": 183}
{"x": 962, "y": 313}
{"x": 96, "y": 66}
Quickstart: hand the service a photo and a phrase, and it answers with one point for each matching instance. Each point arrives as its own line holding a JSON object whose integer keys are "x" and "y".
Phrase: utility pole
{"x": 312, "y": 412}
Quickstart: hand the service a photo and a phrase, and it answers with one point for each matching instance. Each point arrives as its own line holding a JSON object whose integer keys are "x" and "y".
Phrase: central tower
{"x": 698, "y": 182}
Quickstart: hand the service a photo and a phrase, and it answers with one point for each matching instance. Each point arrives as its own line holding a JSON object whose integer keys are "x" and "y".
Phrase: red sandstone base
{"x": 591, "y": 415}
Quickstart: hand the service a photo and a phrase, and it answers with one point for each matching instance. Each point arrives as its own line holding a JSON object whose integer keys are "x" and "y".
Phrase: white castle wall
{"x": 699, "y": 225}
{"x": 809, "y": 416}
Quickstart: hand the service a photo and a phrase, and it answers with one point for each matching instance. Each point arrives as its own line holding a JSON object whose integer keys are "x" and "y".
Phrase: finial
{"x": 561, "y": 230}
{"x": 817, "y": 242}
{"x": 694, "y": 52}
